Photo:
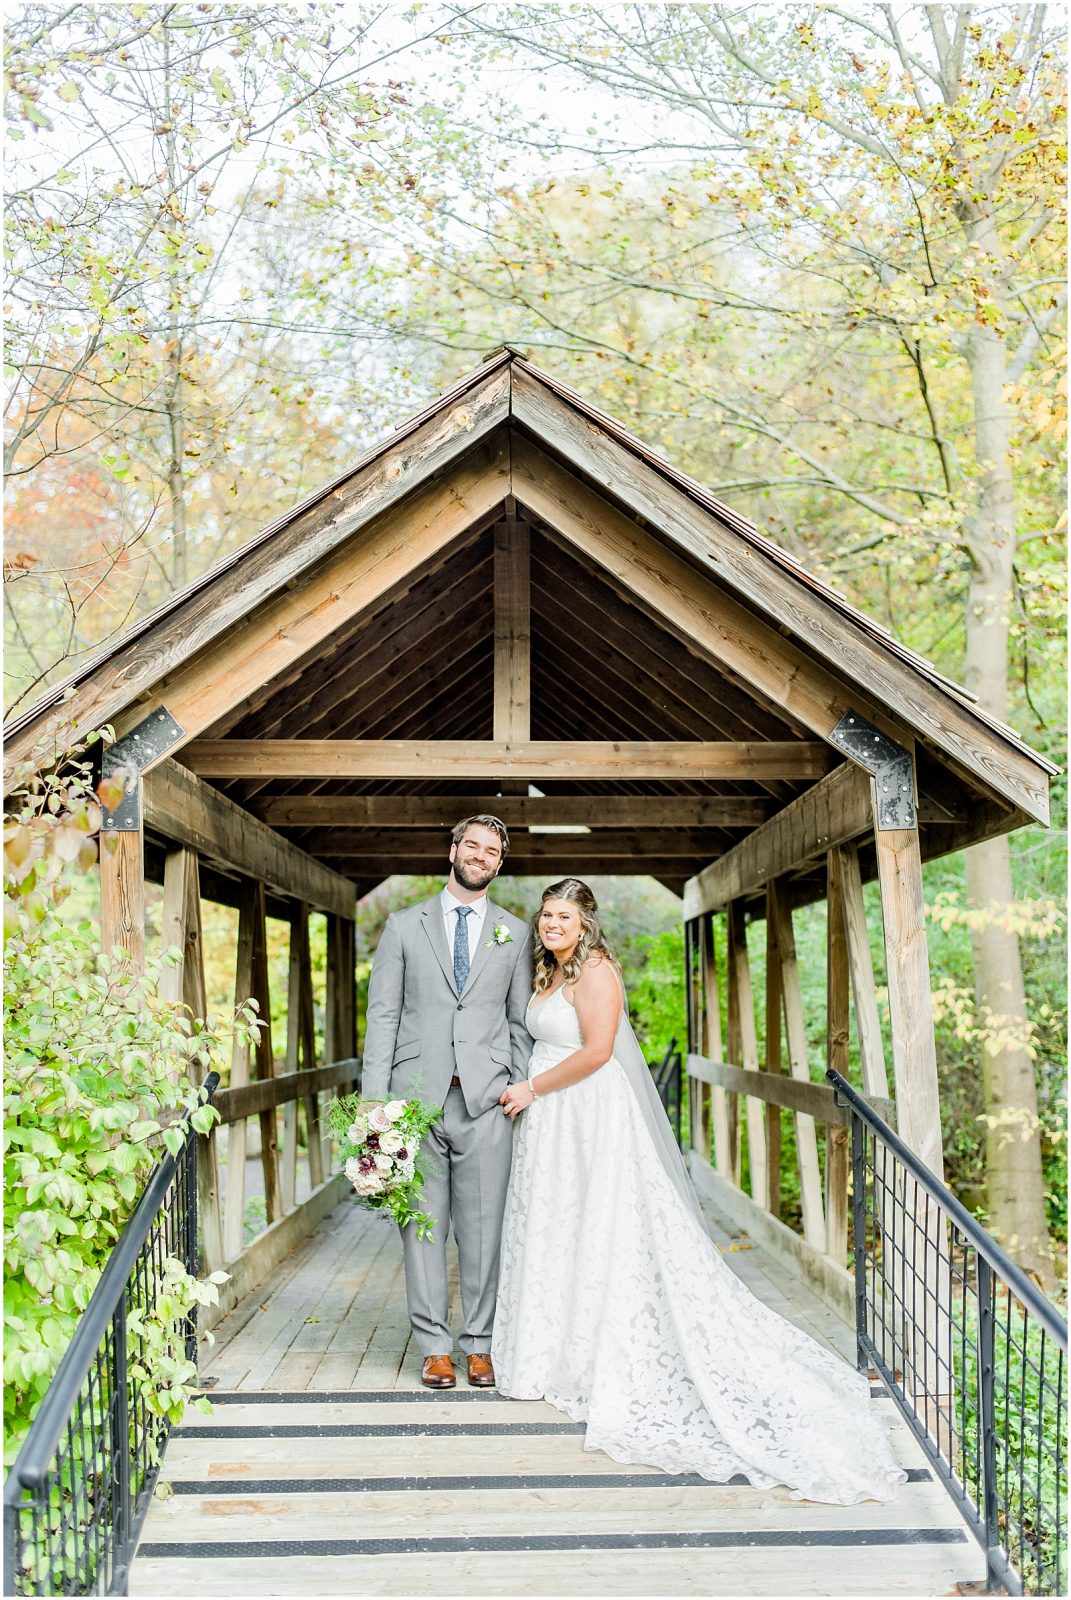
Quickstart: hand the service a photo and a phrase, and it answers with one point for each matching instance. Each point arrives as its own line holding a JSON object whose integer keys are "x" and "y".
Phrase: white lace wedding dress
{"x": 616, "y": 1307}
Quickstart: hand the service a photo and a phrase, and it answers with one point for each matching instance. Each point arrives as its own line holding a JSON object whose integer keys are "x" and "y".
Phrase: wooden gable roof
{"x": 378, "y": 613}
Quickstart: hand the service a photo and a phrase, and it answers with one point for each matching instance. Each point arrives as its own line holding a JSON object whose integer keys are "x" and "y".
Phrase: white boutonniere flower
{"x": 500, "y": 934}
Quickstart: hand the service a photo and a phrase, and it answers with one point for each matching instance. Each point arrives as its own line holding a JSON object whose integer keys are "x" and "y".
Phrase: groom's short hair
{"x": 483, "y": 821}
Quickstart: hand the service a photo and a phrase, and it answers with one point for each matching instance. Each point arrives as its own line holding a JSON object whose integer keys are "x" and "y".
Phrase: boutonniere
{"x": 500, "y": 934}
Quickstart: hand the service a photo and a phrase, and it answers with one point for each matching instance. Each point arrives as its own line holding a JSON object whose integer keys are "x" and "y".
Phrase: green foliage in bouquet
{"x": 379, "y": 1141}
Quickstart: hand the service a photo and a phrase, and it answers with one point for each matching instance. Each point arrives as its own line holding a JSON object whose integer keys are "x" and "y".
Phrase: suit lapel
{"x": 485, "y": 948}
{"x": 434, "y": 927}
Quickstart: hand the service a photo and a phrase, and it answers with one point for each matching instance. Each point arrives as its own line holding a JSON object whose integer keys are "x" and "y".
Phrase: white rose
{"x": 369, "y": 1183}
{"x": 395, "y": 1110}
{"x": 390, "y": 1142}
{"x": 353, "y": 1169}
{"x": 378, "y": 1119}
{"x": 356, "y": 1131}
{"x": 384, "y": 1164}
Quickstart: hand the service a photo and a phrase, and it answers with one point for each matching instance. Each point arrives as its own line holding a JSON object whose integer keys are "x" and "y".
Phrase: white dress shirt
{"x": 473, "y": 923}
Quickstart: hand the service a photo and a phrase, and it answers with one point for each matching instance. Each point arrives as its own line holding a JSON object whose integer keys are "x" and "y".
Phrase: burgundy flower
{"x": 372, "y": 1141}
{"x": 366, "y": 1163}
{"x": 401, "y": 1155}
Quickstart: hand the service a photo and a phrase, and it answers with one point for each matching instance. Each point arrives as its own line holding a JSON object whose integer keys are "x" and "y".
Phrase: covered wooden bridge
{"x": 512, "y": 605}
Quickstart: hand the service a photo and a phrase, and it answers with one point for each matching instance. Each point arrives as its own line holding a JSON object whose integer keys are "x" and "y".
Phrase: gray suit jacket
{"x": 420, "y": 1032}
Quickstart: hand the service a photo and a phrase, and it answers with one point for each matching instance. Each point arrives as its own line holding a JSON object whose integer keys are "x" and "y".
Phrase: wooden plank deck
{"x": 326, "y": 1469}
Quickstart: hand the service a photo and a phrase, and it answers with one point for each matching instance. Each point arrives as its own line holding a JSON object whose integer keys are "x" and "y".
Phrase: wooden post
{"x": 340, "y": 1010}
{"x": 740, "y": 985}
{"x": 773, "y": 1052}
{"x": 264, "y": 1057}
{"x": 918, "y": 1104}
{"x": 925, "y": 1243}
{"x": 513, "y": 630}
{"x": 180, "y": 929}
{"x": 693, "y": 1033}
{"x": 814, "y": 1226}
{"x": 718, "y": 1100}
{"x": 122, "y": 896}
{"x": 301, "y": 1057}
{"x": 864, "y": 991}
{"x": 185, "y": 985}
{"x": 234, "y": 1202}
{"x": 837, "y": 1055}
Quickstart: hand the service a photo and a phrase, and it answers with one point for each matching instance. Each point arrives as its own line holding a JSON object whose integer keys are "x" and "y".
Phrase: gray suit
{"x": 420, "y": 1033}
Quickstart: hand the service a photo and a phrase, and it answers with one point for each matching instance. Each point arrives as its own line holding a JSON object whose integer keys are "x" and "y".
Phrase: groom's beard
{"x": 472, "y": 878}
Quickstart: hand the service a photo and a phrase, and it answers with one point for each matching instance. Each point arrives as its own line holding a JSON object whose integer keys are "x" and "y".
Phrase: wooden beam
{"x": 780, "y": 912}
{"x": 665, "y": 843}
{"x": 838, "y": 1041}
{"x": 375, "y": 868}
{"x": 182, "y": 808}
{"x": 598, "y": 812}
{"x": 253, "y": 1099}
{"x": 773, "y": 1061}
{"x": 180, "y": 929}
{"x": 777, "y": 592}
{"x": 809, "y": 1099}
{"x": 185, "y": 985}
{"x": 513, "y": 631}
{"x": 903, "y": 909}
{"x": 470, "y": 758}
{"x": 122, "y": 896}
{"x": 830, "y": 812}
{"x": 864, "y": 989}
{"x": 281, "y": 555}
{"x": 740, "y": 985}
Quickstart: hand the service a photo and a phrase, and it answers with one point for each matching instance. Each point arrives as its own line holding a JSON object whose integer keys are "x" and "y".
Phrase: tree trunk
{"x": 1014, "y": 1186}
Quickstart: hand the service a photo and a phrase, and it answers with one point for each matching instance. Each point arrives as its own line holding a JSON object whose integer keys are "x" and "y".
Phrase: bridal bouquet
{"x": 379, "y": 1147}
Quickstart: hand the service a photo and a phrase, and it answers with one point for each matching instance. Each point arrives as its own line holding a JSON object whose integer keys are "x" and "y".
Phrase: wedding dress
{"x": 615, "y": 1306}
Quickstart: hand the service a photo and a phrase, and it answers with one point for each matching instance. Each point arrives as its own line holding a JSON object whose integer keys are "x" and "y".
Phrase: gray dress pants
{"x": 466, "y": 1162}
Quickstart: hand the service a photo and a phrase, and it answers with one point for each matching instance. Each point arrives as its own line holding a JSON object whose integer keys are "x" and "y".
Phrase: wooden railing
{"x": 722, "y": 1071}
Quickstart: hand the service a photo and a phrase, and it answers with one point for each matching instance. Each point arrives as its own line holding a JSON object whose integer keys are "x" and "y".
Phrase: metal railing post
{"x": 120, "y": 1449}
{"x": 862, "y": 1357}
{"x": 987, "y": 1423}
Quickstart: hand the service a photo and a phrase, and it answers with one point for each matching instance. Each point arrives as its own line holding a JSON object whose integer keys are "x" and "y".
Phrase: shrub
{"x": 97, "y": 1077}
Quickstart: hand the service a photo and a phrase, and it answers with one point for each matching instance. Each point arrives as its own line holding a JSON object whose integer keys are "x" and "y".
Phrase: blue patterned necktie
{"x": 461, "y": 948}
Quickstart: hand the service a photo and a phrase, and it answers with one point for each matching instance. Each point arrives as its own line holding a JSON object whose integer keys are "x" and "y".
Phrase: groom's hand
{"x": 515, "y": 1099}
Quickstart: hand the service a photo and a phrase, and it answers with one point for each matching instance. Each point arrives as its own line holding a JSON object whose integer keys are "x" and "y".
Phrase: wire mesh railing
{"x": 972, "y": 1352}
{"x": 76, "y": 1497}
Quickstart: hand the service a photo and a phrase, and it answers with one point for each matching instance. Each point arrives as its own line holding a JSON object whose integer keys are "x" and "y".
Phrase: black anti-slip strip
{"x": 372, "y": 1430}
{"x": 213, "y": 1488}
{"x": 334, "y": 1397}
{"x": 745, "y": 1538}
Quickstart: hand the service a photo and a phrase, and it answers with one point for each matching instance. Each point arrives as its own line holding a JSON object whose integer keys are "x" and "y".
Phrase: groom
{"x": 447, "y": 998}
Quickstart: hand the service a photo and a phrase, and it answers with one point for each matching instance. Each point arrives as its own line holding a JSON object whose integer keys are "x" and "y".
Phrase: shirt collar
{"x": 450, "y": 903}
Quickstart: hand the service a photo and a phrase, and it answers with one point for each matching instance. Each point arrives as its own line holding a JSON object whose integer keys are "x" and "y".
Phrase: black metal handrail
{"x": 668, "y": 1078}
{"x": 972, "y": 1352}
{"x": 76, "y": 1497}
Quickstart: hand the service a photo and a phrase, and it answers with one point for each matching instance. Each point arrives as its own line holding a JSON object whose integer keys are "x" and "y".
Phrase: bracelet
{"x": 531, "y": 1086}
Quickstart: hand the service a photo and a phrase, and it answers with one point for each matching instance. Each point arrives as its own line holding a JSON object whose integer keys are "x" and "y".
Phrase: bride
{"x": 613, "y": 1303}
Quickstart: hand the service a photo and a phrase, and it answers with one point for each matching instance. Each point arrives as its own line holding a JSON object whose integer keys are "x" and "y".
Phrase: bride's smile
{"x": 560, "y": 928}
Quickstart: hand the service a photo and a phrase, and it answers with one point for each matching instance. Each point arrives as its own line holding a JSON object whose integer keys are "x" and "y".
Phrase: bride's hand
{"x": 517, "y": 1098}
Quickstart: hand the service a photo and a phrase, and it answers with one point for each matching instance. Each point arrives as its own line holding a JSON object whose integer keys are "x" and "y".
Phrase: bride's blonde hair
{"x": 592, "y": 941}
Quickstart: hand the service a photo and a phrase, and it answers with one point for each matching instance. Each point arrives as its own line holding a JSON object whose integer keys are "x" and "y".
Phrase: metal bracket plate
{"x": 139, "y": 748}
{"x": 888, "y": 762}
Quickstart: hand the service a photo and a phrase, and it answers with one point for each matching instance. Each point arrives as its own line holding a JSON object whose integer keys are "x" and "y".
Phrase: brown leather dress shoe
{"x": 438, "y": 1372}
{"x": 481, "y": 1372}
